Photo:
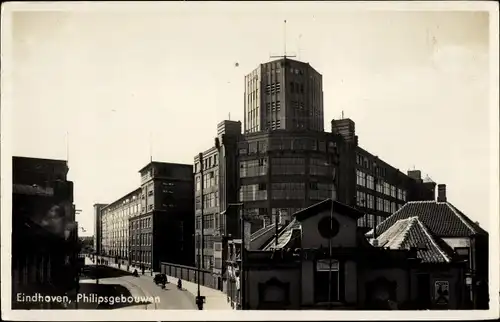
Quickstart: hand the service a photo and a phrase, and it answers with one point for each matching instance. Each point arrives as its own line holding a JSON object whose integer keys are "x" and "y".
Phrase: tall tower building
{"x": 284, "y": 94}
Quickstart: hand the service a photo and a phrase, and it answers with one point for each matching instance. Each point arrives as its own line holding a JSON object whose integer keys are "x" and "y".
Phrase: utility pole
{"x": 239, "y": 206}
{"x": 334, "y": 162}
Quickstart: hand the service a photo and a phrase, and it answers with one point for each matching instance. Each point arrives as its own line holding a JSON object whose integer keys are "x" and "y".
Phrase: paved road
{"x": 170, "y": 298}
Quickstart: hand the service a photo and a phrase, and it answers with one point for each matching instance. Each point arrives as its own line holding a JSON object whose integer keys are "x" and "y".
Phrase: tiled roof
{"x": 441, "y": 218}
{"x": 411, "y": 233}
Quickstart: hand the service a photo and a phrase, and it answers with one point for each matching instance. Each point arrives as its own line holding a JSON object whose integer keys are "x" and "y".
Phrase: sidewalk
{"x": 214, "y": 299}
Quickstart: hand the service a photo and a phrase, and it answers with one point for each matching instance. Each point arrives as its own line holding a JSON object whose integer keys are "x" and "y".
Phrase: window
{"x": 361, "y": 199}
{"x": 326, "y": 288}
{"x": 288, "y": 190}
{"x": 320, "y": 191}
{"x": 370, "y": 201}
{"x": 360, "y": 178}
{"x": 253, "y": 168}
{"x": 387, "y": 189}
{"x": 253, "y": 192}
{"x": 393, "y": 191}
{"x": 380, "y": 204}
{"x": 287, "y": 166}
{"x": 370, "y": 182}
{"x": 198, "y": 183}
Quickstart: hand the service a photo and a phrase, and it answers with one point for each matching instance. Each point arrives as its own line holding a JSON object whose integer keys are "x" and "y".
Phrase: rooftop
{"x": 441, "y": 218}
{"x": 411, "y": 233}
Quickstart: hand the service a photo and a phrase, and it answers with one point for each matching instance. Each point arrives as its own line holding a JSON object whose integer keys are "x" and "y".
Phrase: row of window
{"x": 371, "y": 182}
{"x": 145, "y": 239}
{"x": 273, "y": 88}
{"x": 141, "y": 256}
{"x": 210, "y": 179}
{"x": 370, "y": 201}
{"x": 212, "y": 221}
{"x": 253, "y": 168}
{"x": 273, "y": 106}
{"x": 297, "y": 144}
{"x": 208, "y": 162}
{"x": 370, "y": 165}
{"x": 369, "y": 220}
{"x": 141, "y": 223}
{"x": 209, "y": 200}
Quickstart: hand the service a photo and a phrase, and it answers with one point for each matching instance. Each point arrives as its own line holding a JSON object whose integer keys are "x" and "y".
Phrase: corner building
{"x": 163, "y": 230}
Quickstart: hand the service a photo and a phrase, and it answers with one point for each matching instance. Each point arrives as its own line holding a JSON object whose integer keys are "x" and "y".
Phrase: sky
{"x": 105, "y": 88}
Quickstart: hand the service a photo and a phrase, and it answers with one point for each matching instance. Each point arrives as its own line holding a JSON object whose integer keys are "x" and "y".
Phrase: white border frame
{"x": 140, "y": 315}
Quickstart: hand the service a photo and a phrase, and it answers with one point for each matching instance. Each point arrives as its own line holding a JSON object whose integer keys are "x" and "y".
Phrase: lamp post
{"x": 334, "y": 161}
{"x": 199, "y": 298}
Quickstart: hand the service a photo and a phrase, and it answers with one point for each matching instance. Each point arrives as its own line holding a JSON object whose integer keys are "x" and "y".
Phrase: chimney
{"x": 415, "y": 174}
{"x": 441, "y": 197}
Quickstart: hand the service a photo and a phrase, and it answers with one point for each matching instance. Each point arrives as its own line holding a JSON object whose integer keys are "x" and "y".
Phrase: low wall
{"x": 190, "y": 274}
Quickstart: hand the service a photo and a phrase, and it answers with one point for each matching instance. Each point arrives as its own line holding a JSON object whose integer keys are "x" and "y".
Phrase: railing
{"x": 190, "y": 274}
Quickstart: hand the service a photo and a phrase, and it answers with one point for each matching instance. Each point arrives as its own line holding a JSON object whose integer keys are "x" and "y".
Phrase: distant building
{"x": 153, "y": 223}
{"x": 163, "y": 230}
{"x": 97, "y": 227}
{"x": 114, "y": 225}
{"x": 409, "y": 268}
{"x": 45, "y": 243}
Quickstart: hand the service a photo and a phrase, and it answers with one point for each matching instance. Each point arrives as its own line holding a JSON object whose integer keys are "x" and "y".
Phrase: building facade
{"x": 43, "y": 214}
{"x": 214, "y": 175}
{"x": 284, "y": 94}
{"x": 162, "y": 231}
{"x": 114, "y": 225}
{"x": 97, "y": 227}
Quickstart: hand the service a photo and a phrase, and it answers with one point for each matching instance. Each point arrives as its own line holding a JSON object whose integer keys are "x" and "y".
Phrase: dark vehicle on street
{"x": 160, "y": 279}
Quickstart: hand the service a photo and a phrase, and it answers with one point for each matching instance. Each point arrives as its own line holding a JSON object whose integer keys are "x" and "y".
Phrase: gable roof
{"x": 325, "y": 205}
{"x": 411, "y": 233}
{"x": 441, "y": 218}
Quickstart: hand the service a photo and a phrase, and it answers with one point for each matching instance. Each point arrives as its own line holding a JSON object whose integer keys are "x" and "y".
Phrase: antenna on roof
{"x": 284, "y": 56}
{"x": 342, "y": 114}
{"x": 229, "y": 116}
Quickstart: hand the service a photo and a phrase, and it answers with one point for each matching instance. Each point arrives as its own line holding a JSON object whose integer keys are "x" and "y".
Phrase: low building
{"x": 453, "y": 228}
{"x": 43, "y": 214}
{"x": 322, "y": 260}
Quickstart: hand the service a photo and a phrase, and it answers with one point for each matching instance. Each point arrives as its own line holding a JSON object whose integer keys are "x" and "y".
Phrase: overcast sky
{"x": 415, "y": 83}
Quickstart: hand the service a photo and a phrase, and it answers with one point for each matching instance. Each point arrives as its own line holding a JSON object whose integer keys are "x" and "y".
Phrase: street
{"x": 117, "y": 283}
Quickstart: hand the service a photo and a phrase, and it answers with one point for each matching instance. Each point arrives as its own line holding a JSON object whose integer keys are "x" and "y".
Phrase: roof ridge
{"x": 424, "y": 229}
{"x": 457, "y": 213}
{"x": 370, "y": 232}
{"x": 412, "y": 220}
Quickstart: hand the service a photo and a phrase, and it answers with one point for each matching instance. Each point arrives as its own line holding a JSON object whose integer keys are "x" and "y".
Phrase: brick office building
{"x": 220, "y": 188}
{"x": 163, "y": 230}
